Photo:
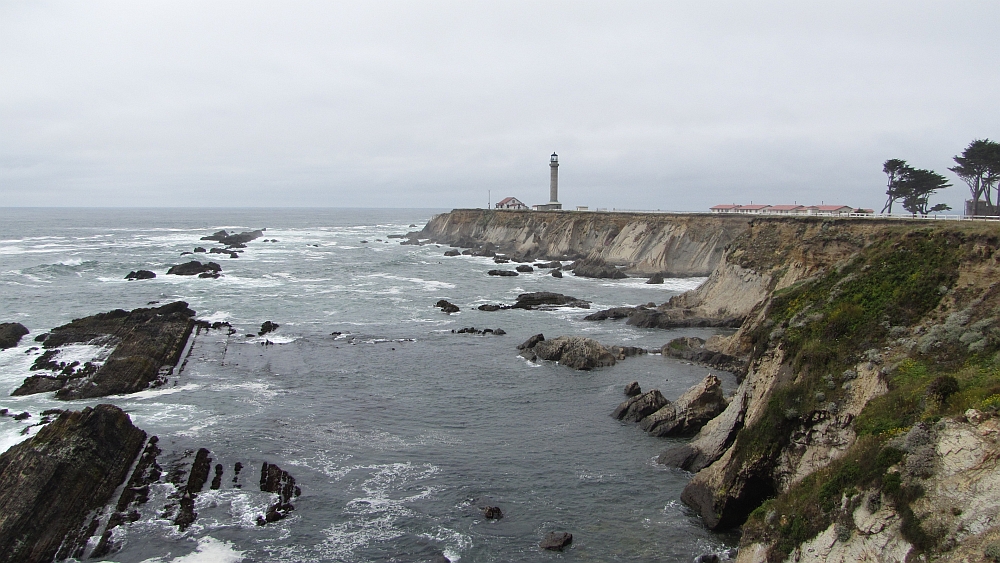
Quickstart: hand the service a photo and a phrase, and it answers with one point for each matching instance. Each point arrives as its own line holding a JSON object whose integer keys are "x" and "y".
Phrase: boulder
{"x": 489, "y": 307}
{"x": 690, "y": 412}
{"x": 656, "y": 278}
{"x": 194, "y": 267}
{"x": 553, "y": 264}
{"x": 633, "y": 389}
{"x": 273, "y": 479}
{"x": 267, "y": 327}
{"x": 612, "y": 313}
{"x": 595, "y": 267}
{"x": 639, "y": 407}
{"x": 447, "y": 306}
{"x": 556, "y": 541}
{"x": 53, "y": 484}
{"x": 10, "y": 334}
{"x": 200, "y": 249}
{"x": 452, "y": 252}
{"x": 530, "y": 343}
{"x": 524, "y": 268}
{"x": 574, "y": 352}
{"x": 234, "y": 240}
{"x": 622, "y": 352}
{"x": 502, "y": 273}
{"x": 492, "y": 512}
{"x": 547, "y": 300}
{"x": 557, "y": 274}
{"x": 140, "y": 275}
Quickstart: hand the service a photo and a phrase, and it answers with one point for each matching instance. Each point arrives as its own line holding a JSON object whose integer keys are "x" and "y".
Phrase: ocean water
{"x": 397, "y": 430}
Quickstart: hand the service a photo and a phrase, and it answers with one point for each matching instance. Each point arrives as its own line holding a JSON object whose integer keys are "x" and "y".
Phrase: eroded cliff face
{"x": 677, "y": 245}
{"x": 853, "y": 331}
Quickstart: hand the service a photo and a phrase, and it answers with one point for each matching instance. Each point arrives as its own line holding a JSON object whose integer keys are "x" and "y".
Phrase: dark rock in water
{"x": 524, "y": 268}
{"x": 200, "y": 249}
{"x": 504, "y": 273}
{"x": 452, "y": 253}
{"x": 212, "y": 275}
{"x": 553, "y": 264}
{"x": 493, "y": 512}
{"x": 556, "y": 541}
{"x": 467, "y": 253}
{"x": 500, "y": 260}
{"x": 574, "y": 352}
{"x": 412, "y": 241}
{"x": 639, "y": 407}
{"x": 596, "y": 268}
{"x": 235, "y": 240}
{"x": 275, "y": 480}
{"x": 267, "y": 327}
{"x": 545, "y": 300}
{"x": 39, "y": 384}
{"x": 149, "y": 345}
{"x": 140, "y": 275}
{"x": 10, "y": 334}
{"x": 233, "y": 255}
{"x": 218, "y": 251}
{"x": 557, "y": 274}
{"x": 196, "y": 482}
{"x": 194, "y": 267}
{"x": 656, "y": 278}
{"x": 485, "y": 331}
{"x": 217, "y": 480}
{"x": 530, "y": 343}
{"x": 447, "y": 306}
{"x": 489, "y": 307}
{"x": 51, "y": 483}
{"x": 692, "y": 410}
{"x": 693, "y": 349}
{"x": 633, "y": 389}
{"x": 23, "y": 416}
{"x": 612, "y": 313}
{"x": 186, "y": 253}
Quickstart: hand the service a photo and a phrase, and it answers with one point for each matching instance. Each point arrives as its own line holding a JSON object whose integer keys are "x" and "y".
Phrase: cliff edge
{"x": 675, "y": 245}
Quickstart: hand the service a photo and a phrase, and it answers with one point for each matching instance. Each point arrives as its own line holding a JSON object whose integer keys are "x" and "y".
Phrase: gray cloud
{"x": 651, "y": 105}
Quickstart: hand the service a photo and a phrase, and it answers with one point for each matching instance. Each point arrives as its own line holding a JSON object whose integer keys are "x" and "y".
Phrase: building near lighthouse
{"x": 553, "y": 203}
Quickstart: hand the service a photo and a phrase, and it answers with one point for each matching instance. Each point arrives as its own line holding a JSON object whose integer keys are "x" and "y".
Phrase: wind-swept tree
{"x": 916, "y": 187}
{"x": 979, "y": 167}
{"x": 893, "y": 168}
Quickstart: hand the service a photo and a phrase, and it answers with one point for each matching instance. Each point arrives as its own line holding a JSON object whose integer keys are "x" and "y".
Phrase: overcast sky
{"x": 650, "y": 105}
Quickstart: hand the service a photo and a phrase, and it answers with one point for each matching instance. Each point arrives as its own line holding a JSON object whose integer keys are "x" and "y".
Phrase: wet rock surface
{"x": 147, "y": 345}
{"x": 663, "y": 317}
{"x": 542, "y": 300}
{"x": 10, "y": 334}
{"x": 640, "y": 406}
{"x": 502, "y": 273}
{"x": 693, "y": 349}
{"x": 575, "y": 352}
{"x": 51, "y": 483}
{"x": 273, "y": 479}
{"x": 196, "y": 268}
{"x": 234, "y": 240}
{"x": 556, "y": 541}
{"x": 447, "y": 306}
{"x": 140, "y": 275}
{"x": 483, "y": 332}
{"x": 597, "y": 268}
{"x": 690, "y": 412}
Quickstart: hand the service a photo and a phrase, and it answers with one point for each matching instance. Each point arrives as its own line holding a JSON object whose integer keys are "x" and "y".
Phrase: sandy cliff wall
{"x": 644, "y": 243}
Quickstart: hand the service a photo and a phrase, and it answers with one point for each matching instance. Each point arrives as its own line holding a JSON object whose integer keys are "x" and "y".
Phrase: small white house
{"x": 510, "y": 203}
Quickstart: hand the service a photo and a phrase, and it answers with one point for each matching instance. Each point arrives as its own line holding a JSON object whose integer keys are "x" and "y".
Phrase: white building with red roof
{"x": 510, "y": 203}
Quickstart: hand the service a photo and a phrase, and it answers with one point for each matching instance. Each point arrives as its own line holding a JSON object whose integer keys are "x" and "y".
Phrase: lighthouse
{"x": 554, "y": 181}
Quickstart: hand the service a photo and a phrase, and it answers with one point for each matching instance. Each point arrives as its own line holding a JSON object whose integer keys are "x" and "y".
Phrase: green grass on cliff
{"x": 826, "y": 326}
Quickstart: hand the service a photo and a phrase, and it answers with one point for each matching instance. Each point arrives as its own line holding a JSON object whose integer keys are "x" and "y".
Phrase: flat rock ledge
{"x": 693, "y": 349}
{"x": 575, "y": 352}
{"x": 663, "y": 317}
{"x": 147, "y": 344}
{"x": 594, "y": 267}
{"x": 540, "y": 301}
{"x": 684, "y": 417}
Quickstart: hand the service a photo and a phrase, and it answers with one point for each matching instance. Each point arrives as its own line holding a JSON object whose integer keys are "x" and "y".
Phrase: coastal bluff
{"x": 674, "y": 245}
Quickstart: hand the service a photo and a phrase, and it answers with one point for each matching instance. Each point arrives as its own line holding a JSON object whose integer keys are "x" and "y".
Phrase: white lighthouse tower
{"x": 553, "y": 186}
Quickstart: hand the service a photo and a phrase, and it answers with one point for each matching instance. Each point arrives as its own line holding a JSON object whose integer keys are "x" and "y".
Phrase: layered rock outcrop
{"x": 145, "y": 346}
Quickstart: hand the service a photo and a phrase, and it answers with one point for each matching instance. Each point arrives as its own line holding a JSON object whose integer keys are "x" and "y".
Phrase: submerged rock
{"x": 556, "y": 541}
{"x": 147, "y": 345}
{"x": 140, "y": 275}
{"x": 10, "y": 334}
{"x": 51, "y": 483}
